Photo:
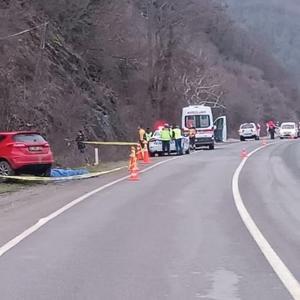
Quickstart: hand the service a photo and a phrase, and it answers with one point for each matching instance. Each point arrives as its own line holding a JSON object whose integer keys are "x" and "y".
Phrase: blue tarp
{"x": 68, "y": 172}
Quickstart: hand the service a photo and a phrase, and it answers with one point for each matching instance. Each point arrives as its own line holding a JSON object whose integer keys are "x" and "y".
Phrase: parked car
{"x": 249, "y": 131}
{"x": 155, "y": 144}
{"x": 24, "y": 152}
{"x": 288, "y": 130}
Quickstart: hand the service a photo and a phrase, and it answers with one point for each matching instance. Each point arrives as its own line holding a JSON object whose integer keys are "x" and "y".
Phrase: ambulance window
{"x": 220, "y": 123}
{"x": 202, "y": 121}
{"x": 190, "y": 121}
{"x": 198, "y": 121}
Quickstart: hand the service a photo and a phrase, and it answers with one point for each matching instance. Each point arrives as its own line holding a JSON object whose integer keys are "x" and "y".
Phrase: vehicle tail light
{"x": 46, "y": 145}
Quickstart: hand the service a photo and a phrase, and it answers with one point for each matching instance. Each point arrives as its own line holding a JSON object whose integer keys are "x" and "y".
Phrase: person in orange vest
{"x": 142, "y": 136}
{"x": 192, "y": 135}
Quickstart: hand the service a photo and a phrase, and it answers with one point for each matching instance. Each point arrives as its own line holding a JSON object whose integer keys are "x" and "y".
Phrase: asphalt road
{"x": 175, "y": 234}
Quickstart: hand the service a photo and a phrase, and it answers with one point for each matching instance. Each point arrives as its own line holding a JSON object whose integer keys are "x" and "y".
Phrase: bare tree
{"x": 198, "y": 89}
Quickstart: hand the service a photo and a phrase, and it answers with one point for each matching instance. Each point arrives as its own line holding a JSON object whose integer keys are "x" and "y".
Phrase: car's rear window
{"x": 288, "y": 126}
{"x": 246, "y": 126}
{"x": 29, "y": 138}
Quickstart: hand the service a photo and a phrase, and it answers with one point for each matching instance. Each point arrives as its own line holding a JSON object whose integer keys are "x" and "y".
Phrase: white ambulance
{"x": 208, "y": 131}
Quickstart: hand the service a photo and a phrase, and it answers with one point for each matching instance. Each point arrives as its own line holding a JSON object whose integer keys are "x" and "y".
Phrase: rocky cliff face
{"x": 106, "y": 66}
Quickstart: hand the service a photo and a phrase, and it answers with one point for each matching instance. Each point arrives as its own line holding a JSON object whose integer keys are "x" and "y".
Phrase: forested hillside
{"x": 276, "y": 23}
{"x": 106, "y": 66}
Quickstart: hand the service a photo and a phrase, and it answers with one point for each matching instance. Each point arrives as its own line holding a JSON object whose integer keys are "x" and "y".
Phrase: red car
{"x": 24, "y": 152}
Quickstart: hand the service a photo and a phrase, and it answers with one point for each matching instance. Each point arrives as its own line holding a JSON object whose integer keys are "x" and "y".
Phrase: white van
{"x": 207, "y": 130}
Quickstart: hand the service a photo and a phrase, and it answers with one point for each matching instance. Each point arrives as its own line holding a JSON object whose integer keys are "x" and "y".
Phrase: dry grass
{"x": 9, "y": 187}
{"x": 105, "y": 166}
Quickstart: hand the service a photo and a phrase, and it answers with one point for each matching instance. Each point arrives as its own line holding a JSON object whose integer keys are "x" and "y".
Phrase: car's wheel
{"x": 211, "y": 147}
{"x": 281, "y": 138}
{"x": 242, "y": 139}
{"x": 256, "y": 138}
{"x": 6, "y": 169}
{"x": 151, "y": 154}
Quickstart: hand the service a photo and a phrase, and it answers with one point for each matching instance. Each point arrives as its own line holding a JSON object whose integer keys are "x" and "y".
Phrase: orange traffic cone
{"x": 244, "y": 153}
{"x": 134, "y": 175}
{"x": 132, "y": 159}
{"x": 136, "y": 167}
{"x": 130, "y": 164}
{"x": 146, "y": 156}
{"x": 135, "y": 164}
{"x": 139, "y": 153}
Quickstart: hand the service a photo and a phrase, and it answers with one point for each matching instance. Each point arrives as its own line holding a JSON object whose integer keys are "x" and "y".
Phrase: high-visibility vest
{"x": 148, "y": 136}
{"x": 177, "y": 133}
{"x": 165, "y": 135}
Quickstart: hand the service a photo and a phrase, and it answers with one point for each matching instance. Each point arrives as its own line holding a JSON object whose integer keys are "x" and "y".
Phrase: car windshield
{"x": 197, "y": 121}
{"x": 29, "y": 138}
{"x": 247, "y": 126}
{"x": 288, "y": 126}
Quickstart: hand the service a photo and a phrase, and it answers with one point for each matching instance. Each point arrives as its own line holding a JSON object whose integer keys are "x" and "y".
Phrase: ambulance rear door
{"x": 221, "y": 129}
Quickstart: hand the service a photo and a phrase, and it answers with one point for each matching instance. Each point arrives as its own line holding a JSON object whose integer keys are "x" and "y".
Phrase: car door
{"x": 221, "y": 129}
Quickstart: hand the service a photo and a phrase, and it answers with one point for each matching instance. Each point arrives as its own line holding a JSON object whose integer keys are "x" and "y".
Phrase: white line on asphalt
{"x": 15, "y": 241}
{"x": 284, "y": 274}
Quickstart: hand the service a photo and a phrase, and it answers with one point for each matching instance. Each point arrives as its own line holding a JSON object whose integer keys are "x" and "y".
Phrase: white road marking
{"x": 15, "y": 241}
{"x": 284, "y": 274}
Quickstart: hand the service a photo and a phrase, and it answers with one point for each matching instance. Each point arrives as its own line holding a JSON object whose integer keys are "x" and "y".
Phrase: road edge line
{"x": 43, "y": 221}
{"x": 278, "y": 266}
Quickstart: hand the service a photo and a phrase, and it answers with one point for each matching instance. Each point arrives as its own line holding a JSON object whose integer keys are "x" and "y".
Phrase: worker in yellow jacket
{"x": 178, "y": 138}
{"x": 165, "y": 137}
